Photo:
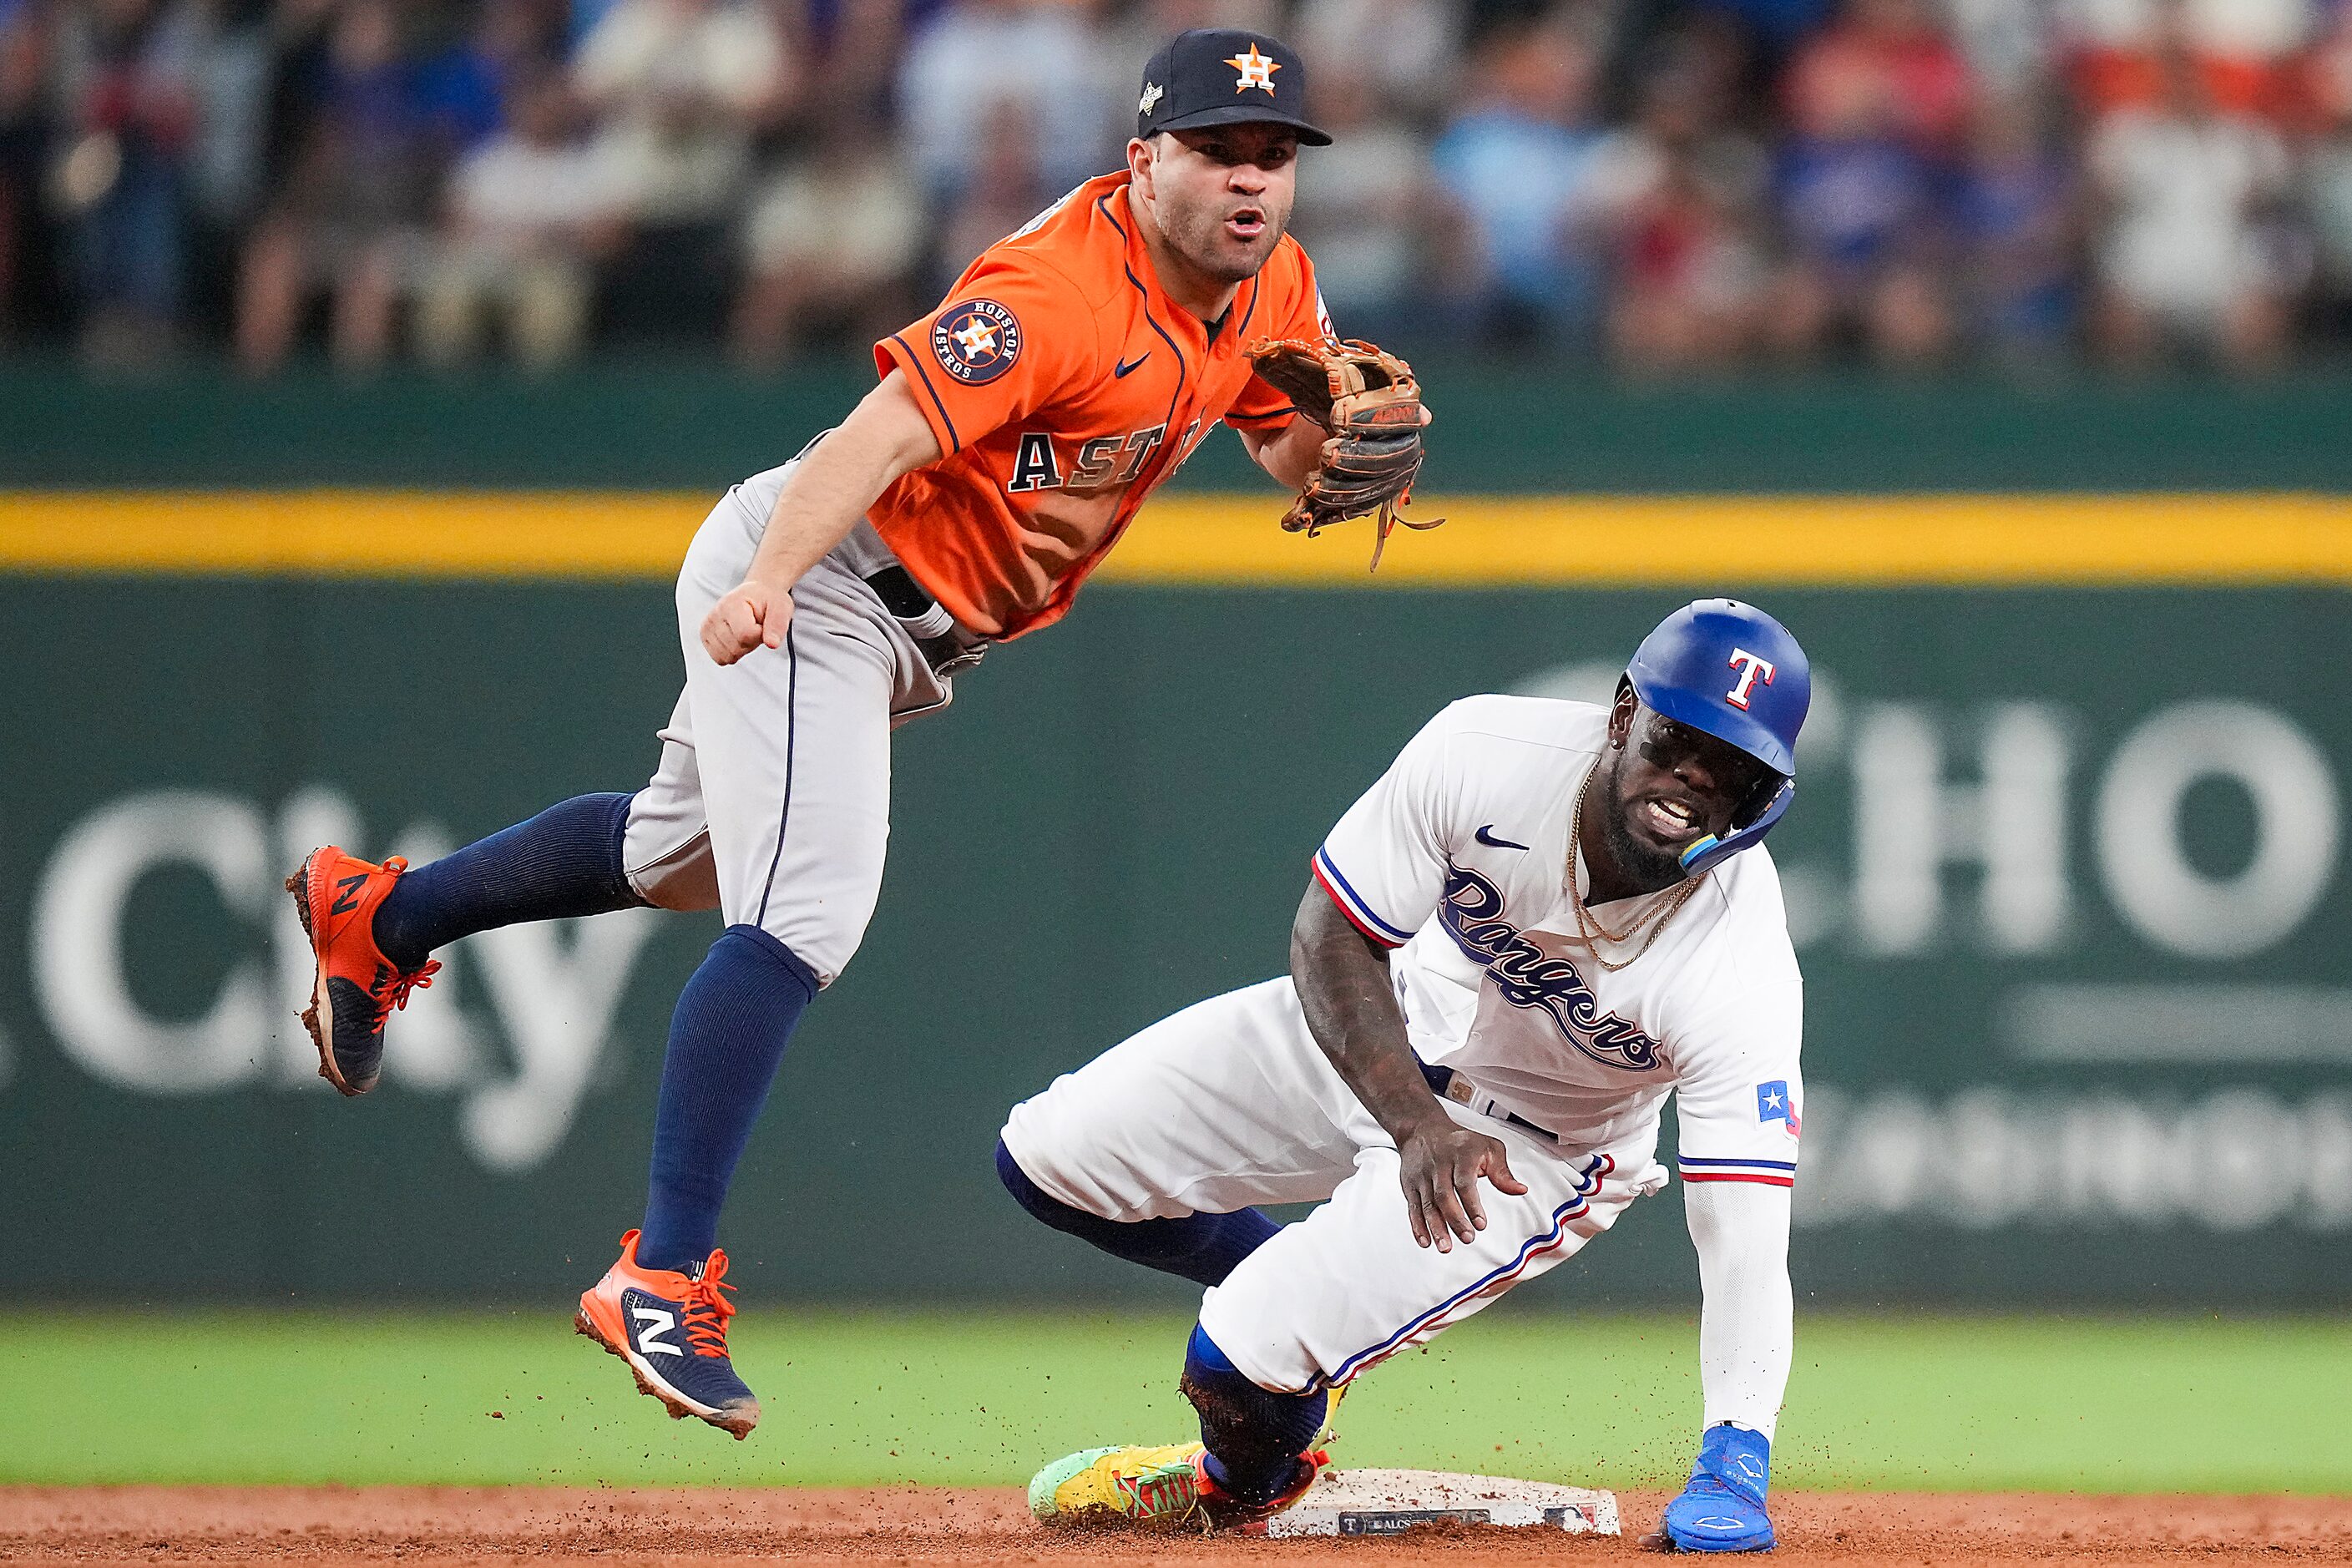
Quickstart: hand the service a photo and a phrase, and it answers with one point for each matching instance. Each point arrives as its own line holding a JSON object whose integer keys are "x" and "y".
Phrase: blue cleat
{"x": 671, "y": 1328}
{"x": 1722, "y": 1509}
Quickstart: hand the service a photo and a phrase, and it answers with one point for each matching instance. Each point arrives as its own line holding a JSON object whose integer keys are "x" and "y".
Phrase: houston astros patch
{"x": 976, "y": 341}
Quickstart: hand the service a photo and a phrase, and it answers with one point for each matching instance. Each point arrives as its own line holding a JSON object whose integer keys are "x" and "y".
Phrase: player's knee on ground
{"x": 1202, "y": 1248}
{"x": 1255, "y": 1435}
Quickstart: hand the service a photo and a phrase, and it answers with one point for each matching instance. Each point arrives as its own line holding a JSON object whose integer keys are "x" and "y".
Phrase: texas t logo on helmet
{"x": 1679, "y": 672}
{"x": 1749, "y": 667}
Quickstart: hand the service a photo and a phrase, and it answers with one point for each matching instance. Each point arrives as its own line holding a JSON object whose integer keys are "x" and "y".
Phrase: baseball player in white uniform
{"x": 1542, "y": 919}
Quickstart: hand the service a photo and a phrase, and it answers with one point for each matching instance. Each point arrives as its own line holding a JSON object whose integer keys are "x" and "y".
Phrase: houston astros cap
{"x": 1225, "y": 75}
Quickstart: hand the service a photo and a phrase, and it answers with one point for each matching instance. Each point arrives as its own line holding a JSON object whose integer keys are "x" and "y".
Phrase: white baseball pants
{"x": 1229, "y": 1103}
{"x": 772, "y": 797}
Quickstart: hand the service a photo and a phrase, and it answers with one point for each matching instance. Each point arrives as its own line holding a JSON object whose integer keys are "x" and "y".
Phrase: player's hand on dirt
{"x": 1441, "y": 1161}
{"x": 748, "y": 615}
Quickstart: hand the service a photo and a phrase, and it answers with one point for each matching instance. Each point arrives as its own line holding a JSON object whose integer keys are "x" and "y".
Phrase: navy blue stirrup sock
{"x": 1254, "y": 1437}
{"x": 726, "y": 1038}
{"x": 1202, "y": 1248}
{"x": 564, "y": 861}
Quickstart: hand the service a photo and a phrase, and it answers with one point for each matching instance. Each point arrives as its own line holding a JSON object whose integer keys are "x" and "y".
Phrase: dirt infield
{"x": 448, "y": 1527}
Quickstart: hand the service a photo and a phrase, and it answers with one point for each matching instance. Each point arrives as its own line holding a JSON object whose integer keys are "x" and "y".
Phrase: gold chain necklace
{"x": 1591, "y": 932}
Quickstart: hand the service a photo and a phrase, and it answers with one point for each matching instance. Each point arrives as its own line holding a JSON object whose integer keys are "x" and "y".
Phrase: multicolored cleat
{"x": 671, "y": 1328}
{"x": 1163, "y": 1486}
{"x": 357, "y": 986}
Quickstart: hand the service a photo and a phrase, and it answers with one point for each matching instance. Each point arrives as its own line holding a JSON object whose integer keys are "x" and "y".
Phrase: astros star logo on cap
{"x": 1152, "y": 95}
{"x": 1258, "y": 71}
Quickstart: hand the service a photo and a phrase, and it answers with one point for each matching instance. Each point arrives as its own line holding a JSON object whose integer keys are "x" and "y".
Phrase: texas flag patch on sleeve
{"x": 1773, "y": 1104}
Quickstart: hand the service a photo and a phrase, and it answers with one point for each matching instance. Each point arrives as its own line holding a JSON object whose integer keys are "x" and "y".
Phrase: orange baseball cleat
{"x": 671, "y": 1328}
{"x": 357, "y": 987}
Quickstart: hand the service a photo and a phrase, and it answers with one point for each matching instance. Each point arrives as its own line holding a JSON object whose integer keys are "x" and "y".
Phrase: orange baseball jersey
{"x": 1064, "y": 386}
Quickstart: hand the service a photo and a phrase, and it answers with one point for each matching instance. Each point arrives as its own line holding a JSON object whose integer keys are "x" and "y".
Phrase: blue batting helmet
{"x": 1733, "y": 672}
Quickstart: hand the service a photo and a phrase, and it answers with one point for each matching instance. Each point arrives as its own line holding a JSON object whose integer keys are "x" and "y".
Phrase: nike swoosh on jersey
{"x": 1486, "y": 835}
{"x": 1120, "y": 373}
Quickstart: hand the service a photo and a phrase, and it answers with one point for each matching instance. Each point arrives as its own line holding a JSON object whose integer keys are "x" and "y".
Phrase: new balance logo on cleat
{"x": 356, "y": 987}
{"x": 652, "y": 1324}
{"x": 671, "y": 1328}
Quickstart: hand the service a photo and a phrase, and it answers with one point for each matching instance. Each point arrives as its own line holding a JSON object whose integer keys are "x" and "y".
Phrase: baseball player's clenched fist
{"x": 1441, "y": 1162}
{"x": 748, "y": 615}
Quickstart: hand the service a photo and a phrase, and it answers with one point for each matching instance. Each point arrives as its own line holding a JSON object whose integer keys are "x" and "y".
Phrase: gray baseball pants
{"x": 771, "y": 800}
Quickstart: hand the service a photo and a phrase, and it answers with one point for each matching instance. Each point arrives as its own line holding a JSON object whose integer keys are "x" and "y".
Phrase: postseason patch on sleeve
{"x": 976, "y": 341}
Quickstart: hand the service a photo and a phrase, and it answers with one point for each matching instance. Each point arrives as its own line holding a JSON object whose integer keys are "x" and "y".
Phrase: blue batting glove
{"x": 1722, "y": 1509}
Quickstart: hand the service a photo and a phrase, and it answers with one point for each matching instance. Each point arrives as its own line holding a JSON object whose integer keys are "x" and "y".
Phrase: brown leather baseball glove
{"x": 1368, "y": 400}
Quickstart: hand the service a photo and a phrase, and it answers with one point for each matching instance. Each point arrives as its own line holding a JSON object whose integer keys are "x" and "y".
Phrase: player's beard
{"x": 1199, "y": 236}
{"x": 1648, "y": 867}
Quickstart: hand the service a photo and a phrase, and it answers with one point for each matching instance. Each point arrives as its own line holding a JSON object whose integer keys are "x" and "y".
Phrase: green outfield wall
{"x": 1499, "y": 428}
{"x": 2067, "y": 868}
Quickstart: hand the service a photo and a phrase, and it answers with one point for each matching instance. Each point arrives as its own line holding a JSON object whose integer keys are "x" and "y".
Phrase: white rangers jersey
{"x": 1459, "y": 856}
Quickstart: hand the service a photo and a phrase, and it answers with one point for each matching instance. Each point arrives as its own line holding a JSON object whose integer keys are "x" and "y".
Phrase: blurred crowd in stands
{"x": 1674, "y": 184}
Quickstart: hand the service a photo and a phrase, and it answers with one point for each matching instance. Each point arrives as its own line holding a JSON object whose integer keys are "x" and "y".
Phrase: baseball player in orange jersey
{"x": 1015, "y": 433}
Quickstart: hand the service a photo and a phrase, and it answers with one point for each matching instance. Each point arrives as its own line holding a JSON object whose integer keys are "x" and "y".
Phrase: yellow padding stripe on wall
{"x": 1490, "y": 540}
